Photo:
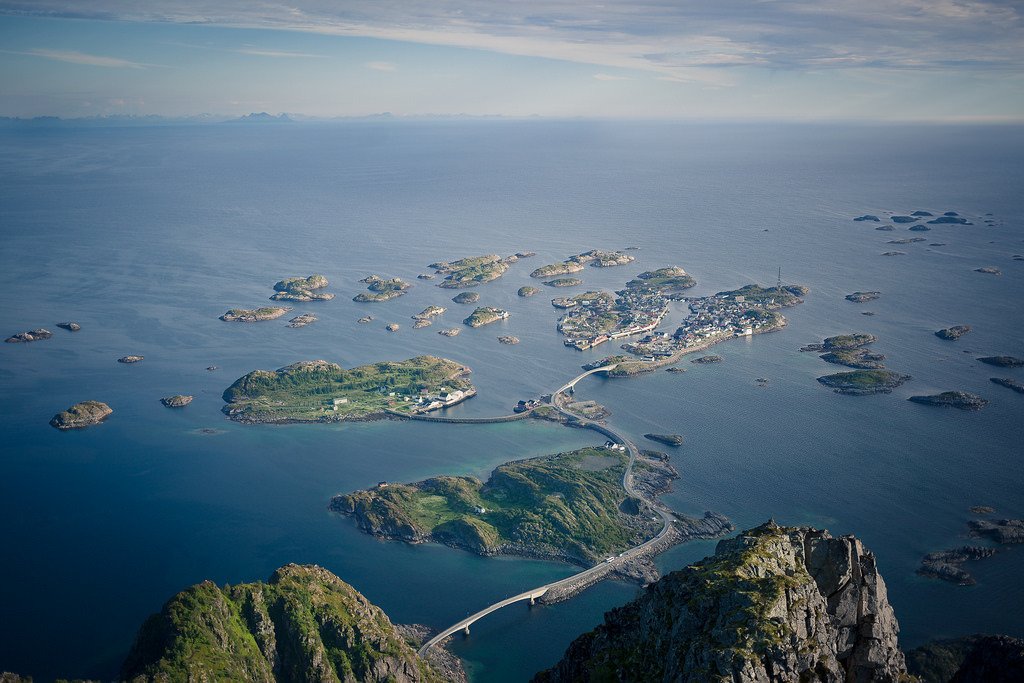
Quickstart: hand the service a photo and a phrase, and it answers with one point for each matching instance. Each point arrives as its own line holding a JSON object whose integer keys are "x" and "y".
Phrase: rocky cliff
{"x": 304, "y": 624}
{"x": 773, "y": 604}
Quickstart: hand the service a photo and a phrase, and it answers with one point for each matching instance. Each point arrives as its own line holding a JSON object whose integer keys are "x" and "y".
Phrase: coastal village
{"x": 597, "y": 317}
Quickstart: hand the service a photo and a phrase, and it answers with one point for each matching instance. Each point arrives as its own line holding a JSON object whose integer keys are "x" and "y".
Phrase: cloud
{"x": 73, "y": 57}
{"x": 610, "y": 77}
{"x": 284, "y": 54}
{"x": 381, "y": 66}
{"x": 687, "y": 40}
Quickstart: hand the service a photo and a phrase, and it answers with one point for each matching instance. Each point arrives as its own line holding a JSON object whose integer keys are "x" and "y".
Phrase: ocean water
{"x": 145, "y": 235}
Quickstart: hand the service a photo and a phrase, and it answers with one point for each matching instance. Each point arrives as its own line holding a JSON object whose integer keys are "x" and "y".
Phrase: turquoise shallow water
{"x": 145, "y": 235}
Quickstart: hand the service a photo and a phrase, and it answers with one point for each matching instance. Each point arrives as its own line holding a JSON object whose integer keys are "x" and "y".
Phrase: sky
{"x": 884, "y": 60}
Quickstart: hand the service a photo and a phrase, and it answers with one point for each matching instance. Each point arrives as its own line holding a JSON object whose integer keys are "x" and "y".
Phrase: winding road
{"x": 597, "y": 570}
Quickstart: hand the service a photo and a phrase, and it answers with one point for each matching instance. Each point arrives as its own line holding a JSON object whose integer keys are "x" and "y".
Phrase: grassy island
{"x": 381, "y": 289}
{"x": 302, "y": 289}
{"x": 485, "y": 315}
{"x": 565, "y": 505}
{"x": 767, "y": 297}
{"x": 863, "y": 382}
{"x": 470, "y": 271}
{"x": 668, "y": 281}
{"x": 319, "y": 391}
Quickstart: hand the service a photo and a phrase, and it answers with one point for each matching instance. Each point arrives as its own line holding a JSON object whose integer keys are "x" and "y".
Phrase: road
{"x": 599, "y": 569}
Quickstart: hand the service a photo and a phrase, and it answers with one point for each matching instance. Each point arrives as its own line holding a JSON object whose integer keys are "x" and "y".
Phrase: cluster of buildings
{"x": 711, "y": 319}
{"x": 596, "y": 319}
{"x": 445, "y": 398}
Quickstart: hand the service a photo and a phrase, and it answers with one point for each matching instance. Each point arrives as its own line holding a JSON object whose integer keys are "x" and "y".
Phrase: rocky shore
{"x": 1009, "y": 383}
{"x": 674, "y": 440}
{"x": 947, "y": 564}
{"x": 864, "y": 382}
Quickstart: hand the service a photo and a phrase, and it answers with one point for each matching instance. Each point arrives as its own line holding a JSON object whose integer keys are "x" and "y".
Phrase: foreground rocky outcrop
{"x": 774, "y": 604}
{"x": 953, "y": 333}
{"x": 304, "y": 624}
{"x": 969, "y": 659}
{"x": 80, "y": 415}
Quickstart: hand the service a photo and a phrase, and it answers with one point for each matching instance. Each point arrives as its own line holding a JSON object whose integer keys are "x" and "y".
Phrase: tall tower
{"x": 778, "y": 285}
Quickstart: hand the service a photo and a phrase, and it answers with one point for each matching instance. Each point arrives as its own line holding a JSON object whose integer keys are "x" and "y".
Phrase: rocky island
{"x": 674, "y": 440}
{"x": 304, "y": 624}
{"x": 131, "y": 359}
{"x": 1009, "y": 383}
{"x": 245, "y": 315}
{"x": 302, "y": 289}
{"x": 710, "y": 359}
{"x": 566, "y": 506}
{"x": 177, "y": 401}
{"x": 527, "y": 291}
{"x": 774, "y": 604}
{"x": 84, "y": 414}
{"x": 1003, "y": 531}
{"x": 867, "y": 217}
{"x": 30, "y": 336}
{"x": 574, "y": 264}
{"x": 847, "y": 349}
{"x": 430, "y": 312}
{"x": 864, "y": 382}
{"x": 508, "y": 339}
{"x": 564, "y": 282}
{"x": 953, "y": 333}
{"x": 450, "y": 332}
{"x": 1003, "y": 361}
{"x": 319, "y": 391}
{"x": 988, "y": 270}
{"x": 964, "y": 400}
{"x": 69, "y": 326}
{"x": 302, "y": 320}
{"x": 947, "y": 565}
{"x": 485, "y": 315}
{"x": 862, "y": 297}
{"x": 381, "y": 289}
{"x": 466, "y": 298}
{"x": 471, "y": 271}
{"x": 668, "y": 282}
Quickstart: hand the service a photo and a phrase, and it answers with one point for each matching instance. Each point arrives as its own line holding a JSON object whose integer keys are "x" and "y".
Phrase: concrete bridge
{"x": 531, "y": 595}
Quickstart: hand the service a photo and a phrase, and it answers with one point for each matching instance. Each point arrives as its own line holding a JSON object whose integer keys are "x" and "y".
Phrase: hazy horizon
{"x": 944, "y": 61}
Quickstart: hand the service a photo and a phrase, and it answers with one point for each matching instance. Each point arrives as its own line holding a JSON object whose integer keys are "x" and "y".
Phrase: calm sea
{"x": 145, "y": 235}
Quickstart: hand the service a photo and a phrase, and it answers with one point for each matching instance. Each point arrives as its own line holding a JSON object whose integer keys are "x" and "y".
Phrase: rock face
{"x": 84, "y": 414}
{"x": 304, "y": 624}
{"x": 774, "y": 604}
{"x": 30, "y": 336}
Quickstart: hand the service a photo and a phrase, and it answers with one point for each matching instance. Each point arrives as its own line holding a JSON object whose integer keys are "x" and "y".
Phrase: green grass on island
{"x": 773, "y": 297}
{"x": 564, "y": 505}
{"x": 471, "y": 271}
{"x": 485, "y": 315}
{"x": 665, "y": 280}
{"x": 319, "y": 391}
